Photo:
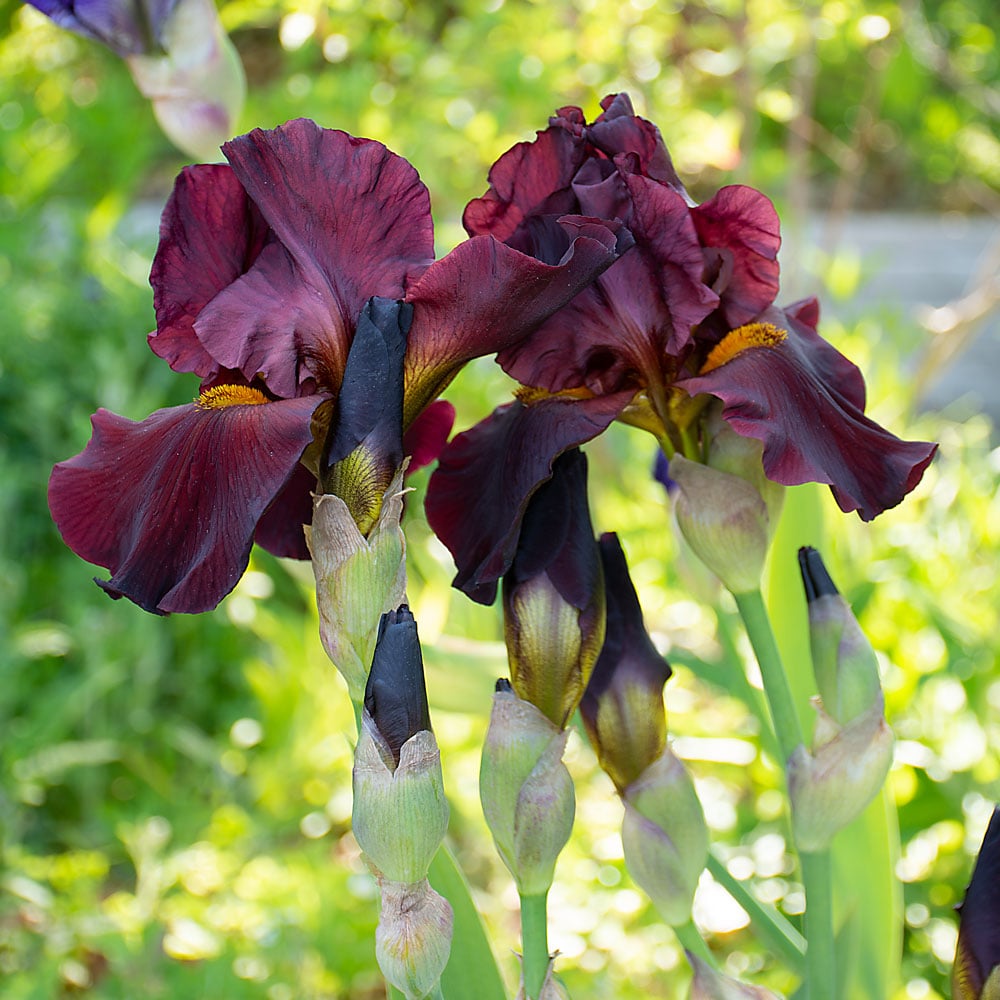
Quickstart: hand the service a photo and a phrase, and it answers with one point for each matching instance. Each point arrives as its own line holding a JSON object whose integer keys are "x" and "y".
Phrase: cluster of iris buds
{"x": 298, "y": 282}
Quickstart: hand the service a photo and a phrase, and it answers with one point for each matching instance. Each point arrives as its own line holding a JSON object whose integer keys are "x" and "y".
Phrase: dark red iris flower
{"x": 263, "y": 270}
{"x": 686, "y": 316}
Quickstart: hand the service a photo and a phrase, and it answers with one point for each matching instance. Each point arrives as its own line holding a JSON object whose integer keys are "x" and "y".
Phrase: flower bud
{"x": 844, "y": 662}
{"x": 196, "y": 85}
{"x": 976, "y": 972}
{"x": 358, "y": 579}
{"x": 708, "y": 984}
{"x": 622, "y": 708}
{"x": 413, "y": 937}
{"x": 664, "y": 836}
{"x": 526, "y": 791}
{"x": 832, "y": 785}
{"x": 400, "y": 810}
{"x": 364, "y": 443}
{"x": 725, "y": 520}
{"x": 553, "y": 594}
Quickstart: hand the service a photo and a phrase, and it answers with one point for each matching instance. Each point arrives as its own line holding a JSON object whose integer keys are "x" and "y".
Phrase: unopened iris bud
{"x": 708, "y": 984}
{"x": 976, "y": 972}
{"x": 364, "y": 443}
{"x": 553, "y": 595}
{"x": 413, "y": 937}
{"x": 843, "y": 660}
{"x": 400, "y": 810}
{"x": 664, "y": 836}
{"x": 358, "y": 578}
{"x": 622, "y": 708}
{"x": 725, "y": 520}
{"x": 526, "y": 791}
{"x": 830, "y": 785}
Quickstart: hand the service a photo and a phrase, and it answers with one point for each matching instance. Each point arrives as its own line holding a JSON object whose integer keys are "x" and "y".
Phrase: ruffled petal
{"x": 620, "y": 130}
{"x": 210, "y": 234}
{"x": 484, "y": 296}
{"x": 531, "y": 178}
{"x": 170, "y": 505}
{"x": 352, "y": 220}
{"x": 637, "y": 318}
{"x": 477, "y": 496}
{"x": 741, "y": 226}
{"x": 428, "y": 435}
{"x": 799, "y": 397}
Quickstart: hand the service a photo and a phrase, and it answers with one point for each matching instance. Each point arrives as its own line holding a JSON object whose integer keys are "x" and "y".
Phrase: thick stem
{"x": 821, "y": 969}
{"x": 772, "y": 671}
{"x": 535, "y": 943}
{"x": 770, "y": 925}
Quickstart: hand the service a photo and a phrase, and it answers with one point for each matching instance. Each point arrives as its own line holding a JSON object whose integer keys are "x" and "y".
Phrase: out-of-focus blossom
{"x": 180, "y": 57}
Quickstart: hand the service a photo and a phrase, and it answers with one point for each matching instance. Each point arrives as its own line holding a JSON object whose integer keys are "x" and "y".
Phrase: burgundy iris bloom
{"x": 686, "y": 316}
{"x": 975, "y": 974}
{"x": 263, "y": 269}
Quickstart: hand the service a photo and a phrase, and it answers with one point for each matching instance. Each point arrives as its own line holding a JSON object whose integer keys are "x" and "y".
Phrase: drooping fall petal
{"x": 800, "y": 397}
{"x": 485, "y": 296}
{"x": 351, "y": 220}
{"x": 477, "y": 496}
{"x": 281, "y": 529}
{"x": 170, "y": 505}
{"x": 210, "y": 234}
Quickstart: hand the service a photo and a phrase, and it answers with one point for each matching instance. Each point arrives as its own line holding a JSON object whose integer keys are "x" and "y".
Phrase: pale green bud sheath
{"x": 400, "y": 810}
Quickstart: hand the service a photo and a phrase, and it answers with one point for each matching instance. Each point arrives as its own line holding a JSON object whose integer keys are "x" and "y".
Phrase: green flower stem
{"x": 393, "y": 994}
{"x": 535, "y": 943}
{"x": 821, "y": 966}
{"x": 692, "y": 942}
{"x": 772, "y": 671}
{"x": 779, "y": 934}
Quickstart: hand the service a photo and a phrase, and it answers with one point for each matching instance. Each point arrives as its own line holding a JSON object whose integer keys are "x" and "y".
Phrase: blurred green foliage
{"x": 175, "y": 794}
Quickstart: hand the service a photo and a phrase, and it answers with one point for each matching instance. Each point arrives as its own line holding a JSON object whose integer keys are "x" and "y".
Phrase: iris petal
{"x": 351, "y": 220}
{"x": 210, "y": 234}
{"x": 485, "y": 296}
{"x": 477, "y": 496}
{"x": 170, "y": 505}
{"x": 800, "y": 397}
{"x": 742, "y": 223}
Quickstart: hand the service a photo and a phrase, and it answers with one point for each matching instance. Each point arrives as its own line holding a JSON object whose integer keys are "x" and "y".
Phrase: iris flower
{"x": 686, "y": 316}
{"x": 263, "y": 270}
{"x": 976, "y": 972}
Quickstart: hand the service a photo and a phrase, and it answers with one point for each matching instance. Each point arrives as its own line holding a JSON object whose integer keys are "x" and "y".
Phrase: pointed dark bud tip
{"x": 502, "y": 686}
{"x": 395, "y": 695}
{"x": 815, "y": 578}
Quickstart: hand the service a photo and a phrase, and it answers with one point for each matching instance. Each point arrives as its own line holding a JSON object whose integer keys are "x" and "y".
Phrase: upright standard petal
{"x": 351, "y": 220}
{"x": 170, "y": 505}
{"x": 784, "y": 385}
{"x": 741, "y": 234}
{"x": 477, "y": 496}
{"x": 210, "y": 234}
{"x": 484, "y": 297}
